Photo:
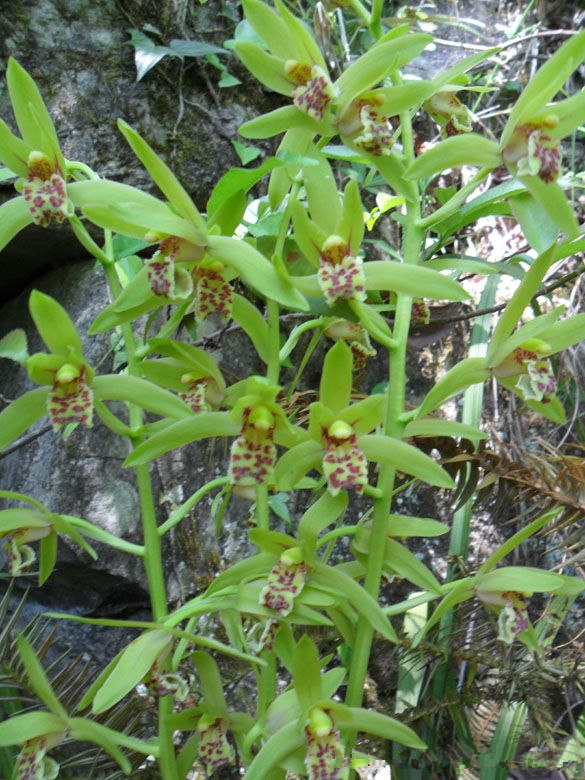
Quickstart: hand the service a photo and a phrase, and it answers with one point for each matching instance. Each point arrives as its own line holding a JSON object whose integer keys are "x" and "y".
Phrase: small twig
{"x": 24, "y": 440}
{"x": 508, "y": 44}
{"x": 498, "y": 307}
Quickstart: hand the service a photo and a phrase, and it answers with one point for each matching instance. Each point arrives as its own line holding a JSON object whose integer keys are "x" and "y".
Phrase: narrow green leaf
{"x": 468, "y": 372}
{"x": 462, "y": 66}
{"x": 267, "y": 68}
{"x": 298, "y": 32}
{"x": 190, "y": 356}
{"x": 88, "y": 731}
{"x": 167, "y": 182}
{"x": 462, "y": 591}
{"x": 48, "y": 556}
{"x": 253, "y": 324}
{"x": 20, "y": 517}
{"x": 30, "y": 725}
{"x": 334, "y": 579}
{"x": 238, "y": 180}
{"x": 552, "y": 199}
{"x": 318, "y": 516}
{"x": 14, "y": 151}
{"x": 271, "y": 28}
{"x": 54, "y": 324}
{"x": 242, "y": 571}
{"x": 33, "y": 119}
{"x": 21, "y": 414}
{"x": 546, "y": 83}
{"x": 524, "y": 579}
{"x": 405, "y": 525}
{"x": 430, "y": 426}
{"x": 370, "y": 722}
{"x": 322, "y": 195}
{"x": 201, "y": 426}
{"x": 538, "y": 327}
{"x": 276, "y": 748}
{"x": 14, "y": 217}
{"x": 412, "y": 280}
{"x": 365, "y": 415}
{"x": 306, "y": 673}
{"x": 467, "y": 149}
{"x": 565, "y": 334}
{"x": 570, "y": 113}
{"x": 539, "y": 229}
{"x": 336, "y": 378}
{"x": 279, "y": 121}
{"x": 13, "y": 346}
{"x": 133, "y": 389}
{"x": 38, "y": 678}
{"x": 134, "y": 663}
{"x": 210, "y": 681}
{"x": 90, "y": 693}
{"x": 404, "y": 457}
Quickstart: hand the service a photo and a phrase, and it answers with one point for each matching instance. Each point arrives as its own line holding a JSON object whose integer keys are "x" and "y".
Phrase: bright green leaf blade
{"x": 523, "y": 579}
{"x": 21, "y": 414}
{"x": 406, "y": 565}
{"x": 30, "y": 725}
{"x": 306, "y": 673}
{"x": 253, "y": 324}
{"x": 462, "y": 66}
{"x": 295, "y": 463}
{"x": 267, "y": 68}
{"x": 238, "y": 180}
{"x": 167, "y": 182}
{"x": 552, "y": 199}
{"x": 210, "y": 681}
{"x": 412, "y": 280}
{"x": 514, "y": 541}
{"x": 33, "y": 119}
{"x": 370, "y": 722}
{"x": 14, "y": 151}
{"x": 190, "y": 356}
{"x": 353, "y": 222}
{"x": 319, "y": 515}
{"x": 281, "y": 744}
{"x": 47, "y": 556}
{"x": 467, "y": 149}
{"x": 13, "y": 346}
{"x": 404, "y": 525}
{"x": 133, "y": 389}
{"x": 468, "y": 372}
{"x": 19, "y": 517}
{"x": 14, "y": 217}
{"x": 54, "y": 324}
{"x": 298, "y": 32}
{"x": 334, "y": 579}
{"x": 546, "y": 83}
{"x": 430, "y": 426}
{"x": 88, "y": 731}
{"x": 279, "y": 121}
{"x": 404, "y": 457}
{"x": 538, "y": 327}
{"x": 38, "y": 679}
{"x": 365, "y": 415}
{"x": 377, "y": 62}
{"x": 322, "y": 194}
{"x": 403, "y": 96}
{"x": 271, "y": 28}
{"x": 256, "y": 271}
{"x": 570, "y": 113}
{"x": 202, "y": 426}
{"x": 567, "y": 333}
{"x": 336, "y": 378}
{"x": 539, "y": 229}
{"x": 135, "y": 661}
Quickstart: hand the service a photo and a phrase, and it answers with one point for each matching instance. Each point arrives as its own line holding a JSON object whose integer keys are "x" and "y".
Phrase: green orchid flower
{"x": 519, "y": 361}
{"x": 303, "y": 725}
{"x": 338, "y": 441}
{"x": 530, "y": 142}
{"x": 188, "y": 371}
{"x": 35, "y": 157}
{"x": 296, "y": 68}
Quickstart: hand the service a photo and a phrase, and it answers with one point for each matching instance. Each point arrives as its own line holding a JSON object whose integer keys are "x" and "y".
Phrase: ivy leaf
{"x": 146, "y": 53}
{"x": 246, "y": 153}
{"x": 188, "y": 48}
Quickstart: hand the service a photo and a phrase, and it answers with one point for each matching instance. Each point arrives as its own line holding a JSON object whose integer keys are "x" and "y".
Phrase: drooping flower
{"x": 33, "y": 763}
{"x": 253, "y": 453}
{"x": 168, "y": 684}
{"x": 45, "y": 191}
{"x": 344, "y": 465}
{"x": 71, "y": 398}
{"x": 512, "y": 620}
{"x": 325, "y": 758}
{"x": 285, "y": 582}
{"x": 421, "y": 313}
{"x": 452, "y": 116}
{"x": 340, "y": 274}
{"x": 214, "y": 749}
{"x": 269, "y": 635}
{"x": 19, "y": 554}
{"x": 165, "y": 275}
{"x": 194, "y": 395}
{"x": 366, "y": 125}
{"x": 358, "y": 339}
{"x": 531, "y": 151}
{"x": 529, "y": 364}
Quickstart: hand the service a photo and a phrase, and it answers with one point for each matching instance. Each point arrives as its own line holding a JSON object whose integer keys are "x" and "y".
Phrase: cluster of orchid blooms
{"x": 193, "y": 266}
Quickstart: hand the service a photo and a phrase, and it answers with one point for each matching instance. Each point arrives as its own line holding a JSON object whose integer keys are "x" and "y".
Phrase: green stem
{"x": 179, "y": 513}
{"x": 376, "y": 18}
{"x": 304, "y": 360}
{"x": 361, "y": 11}
{"x": 262, "y": 513}
{"x": 393, "y": 426}
{"x": 273, "y": 368}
